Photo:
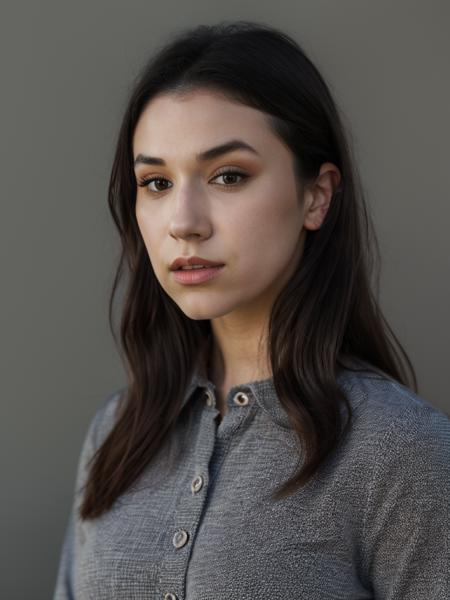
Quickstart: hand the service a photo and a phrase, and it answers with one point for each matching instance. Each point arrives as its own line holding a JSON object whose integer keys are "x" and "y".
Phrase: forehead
{"x": 194, "y": 120}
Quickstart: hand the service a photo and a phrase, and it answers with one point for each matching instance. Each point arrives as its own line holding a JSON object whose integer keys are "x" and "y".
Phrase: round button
{"x": 170, "y": 596}
{"x": 180, "y": 538}
{"x": 209, "y": 398}
{"x": 241, "y": 399}
{"x": 197, "y": 484}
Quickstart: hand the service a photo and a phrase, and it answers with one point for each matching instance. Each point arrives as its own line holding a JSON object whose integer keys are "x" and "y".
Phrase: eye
{"x": 226, "y": 174}
{"x": 144, "y": 182}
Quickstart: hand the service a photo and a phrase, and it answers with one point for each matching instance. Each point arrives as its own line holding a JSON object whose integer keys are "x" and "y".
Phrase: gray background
{"x": 66, "y": 70}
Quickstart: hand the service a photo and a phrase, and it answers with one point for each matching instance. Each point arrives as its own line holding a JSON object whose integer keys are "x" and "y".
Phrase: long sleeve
{"x": 407, "y": 523}
{"x": 64, "y": 589}
{"x": 64, "y": 580}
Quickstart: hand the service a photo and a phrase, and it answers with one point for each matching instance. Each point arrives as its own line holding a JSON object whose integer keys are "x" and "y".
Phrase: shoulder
{"x": 392, "y": 419}
{"x": 385, "y": 399}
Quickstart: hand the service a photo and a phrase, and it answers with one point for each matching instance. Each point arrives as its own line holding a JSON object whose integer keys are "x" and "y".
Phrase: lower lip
{"x": 196, "y": 275}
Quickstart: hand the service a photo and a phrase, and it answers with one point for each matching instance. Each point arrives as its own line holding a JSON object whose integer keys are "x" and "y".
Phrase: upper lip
{"x": 183, "y": 261}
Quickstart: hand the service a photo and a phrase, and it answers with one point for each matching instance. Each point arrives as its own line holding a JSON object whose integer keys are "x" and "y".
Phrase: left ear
{"x": 318, "y": 195}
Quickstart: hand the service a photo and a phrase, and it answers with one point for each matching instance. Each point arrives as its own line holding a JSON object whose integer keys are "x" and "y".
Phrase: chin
{"x": 198, "y": 312}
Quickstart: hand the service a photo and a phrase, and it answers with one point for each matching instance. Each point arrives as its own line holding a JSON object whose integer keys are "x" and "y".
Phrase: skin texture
{"x": 256, "y": 226}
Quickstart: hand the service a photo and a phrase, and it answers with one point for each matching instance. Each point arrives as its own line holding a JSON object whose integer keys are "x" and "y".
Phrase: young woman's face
{"x": 250, "y": 221}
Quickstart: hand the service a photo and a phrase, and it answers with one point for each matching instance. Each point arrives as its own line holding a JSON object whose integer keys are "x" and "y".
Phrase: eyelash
{"x": 143, "y": 182}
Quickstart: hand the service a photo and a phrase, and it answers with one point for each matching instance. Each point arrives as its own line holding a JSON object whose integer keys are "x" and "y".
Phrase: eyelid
{"x": 218, "y": 172}
{"x": 145, "y": 180}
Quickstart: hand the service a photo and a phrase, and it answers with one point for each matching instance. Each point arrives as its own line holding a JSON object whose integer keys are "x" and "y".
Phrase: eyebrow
{"x": 202, "y": 156}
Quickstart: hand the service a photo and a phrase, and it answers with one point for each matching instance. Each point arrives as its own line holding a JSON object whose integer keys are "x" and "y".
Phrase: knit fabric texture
{"x": 374, "y": 522}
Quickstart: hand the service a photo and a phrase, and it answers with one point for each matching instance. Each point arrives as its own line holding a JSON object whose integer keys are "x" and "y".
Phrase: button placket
{"x": 188, "y": 510}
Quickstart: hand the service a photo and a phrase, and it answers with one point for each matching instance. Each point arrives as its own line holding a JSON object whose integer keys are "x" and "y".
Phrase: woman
{"x": 268, "y": 443}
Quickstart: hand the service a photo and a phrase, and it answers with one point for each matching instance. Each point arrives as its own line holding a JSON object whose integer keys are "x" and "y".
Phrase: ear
{"x": 318, "y": 195}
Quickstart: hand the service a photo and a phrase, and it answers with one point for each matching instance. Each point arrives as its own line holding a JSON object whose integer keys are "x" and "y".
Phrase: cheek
{"x": 146, "y": 224}
{"x": 268, "y": 237}
{"x": 149, "y": 237}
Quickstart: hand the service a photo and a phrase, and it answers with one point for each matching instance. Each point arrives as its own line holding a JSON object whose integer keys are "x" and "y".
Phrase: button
{"x": 209, "y": 398}
{"x": 197, "y": 484}
{"x": 241, "y": 399}
{"x": 180, "y": 538}
{"x": 170, "y": 596}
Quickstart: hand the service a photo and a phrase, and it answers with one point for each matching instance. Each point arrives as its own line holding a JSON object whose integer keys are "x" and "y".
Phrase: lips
{"x": 196, "y": 276}
{"x": 183, "y": 261}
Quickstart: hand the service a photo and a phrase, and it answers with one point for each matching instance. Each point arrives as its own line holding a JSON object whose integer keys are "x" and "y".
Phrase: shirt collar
{"x": 263, "y": 390}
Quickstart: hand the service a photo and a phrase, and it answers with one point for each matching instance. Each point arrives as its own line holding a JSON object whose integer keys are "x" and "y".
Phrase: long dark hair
{"x": 326, "y": 318}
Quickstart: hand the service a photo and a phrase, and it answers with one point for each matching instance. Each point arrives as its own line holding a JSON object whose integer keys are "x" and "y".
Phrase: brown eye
{"x": 232, "y": 174}
{"x": 229, "y": 177}
{"x": 149, "y": 180}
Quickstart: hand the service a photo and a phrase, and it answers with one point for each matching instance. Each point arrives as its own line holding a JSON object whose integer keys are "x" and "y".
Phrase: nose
{"x": 190, "y": 216}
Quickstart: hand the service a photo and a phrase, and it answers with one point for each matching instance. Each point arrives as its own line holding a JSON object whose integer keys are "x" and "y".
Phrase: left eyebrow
{"x": 202, "y": 156}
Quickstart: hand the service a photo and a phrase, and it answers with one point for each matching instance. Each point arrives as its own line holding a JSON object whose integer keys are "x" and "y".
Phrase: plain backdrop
{"x": 66, "y": 70}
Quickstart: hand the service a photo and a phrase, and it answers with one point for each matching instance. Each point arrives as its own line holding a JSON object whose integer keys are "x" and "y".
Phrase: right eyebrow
{"x": 204, "y": 156}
